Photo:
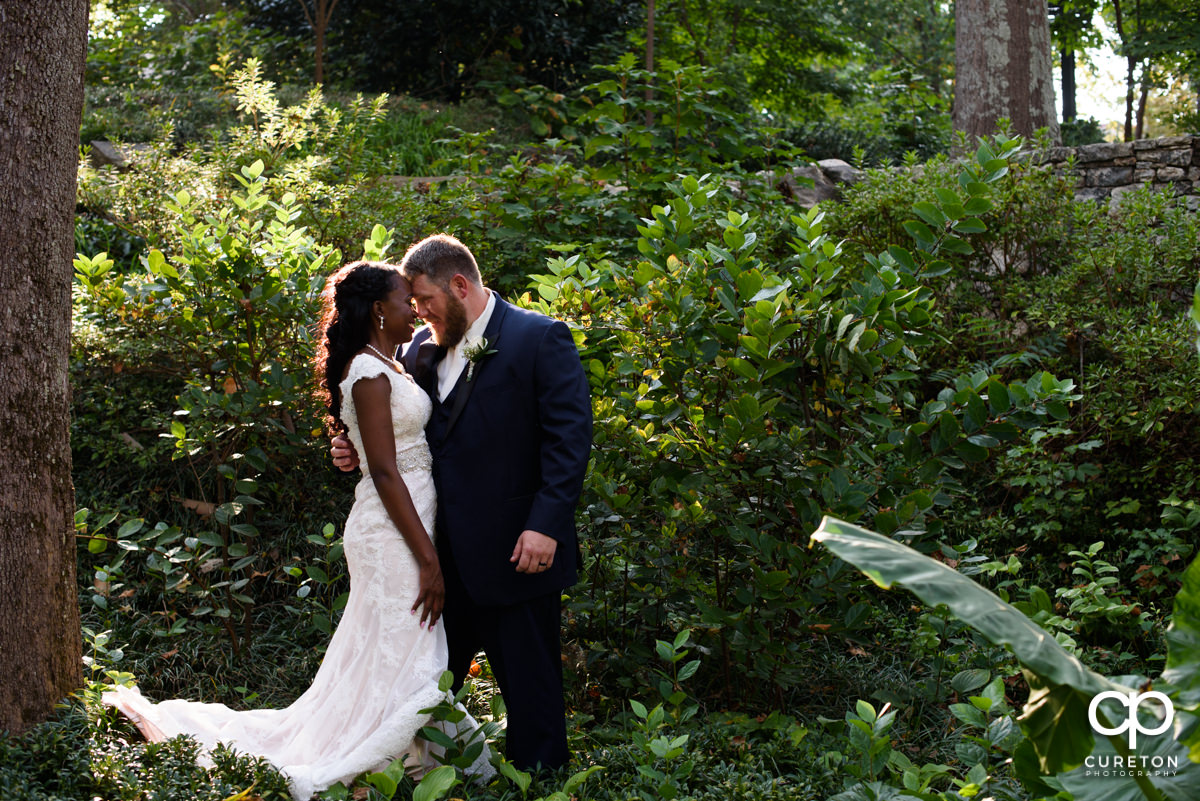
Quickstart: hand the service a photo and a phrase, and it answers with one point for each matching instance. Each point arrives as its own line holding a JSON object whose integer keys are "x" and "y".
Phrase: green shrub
{"x": 739, "y": 396}
{"x": 225, "y": 313}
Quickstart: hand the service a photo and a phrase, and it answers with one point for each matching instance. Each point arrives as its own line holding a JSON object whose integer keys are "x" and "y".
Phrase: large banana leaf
{"x": 1183, "y": 647}
{"x": 1178, "y": 779}
{"x": 1055, "y": 719}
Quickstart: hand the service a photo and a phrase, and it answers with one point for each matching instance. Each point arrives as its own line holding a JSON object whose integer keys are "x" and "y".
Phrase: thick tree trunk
{"x": 1003, "y": 67}
{"x": 41, "y": 97}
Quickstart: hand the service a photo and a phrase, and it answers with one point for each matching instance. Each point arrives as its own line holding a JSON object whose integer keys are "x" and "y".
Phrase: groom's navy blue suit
{"x": 510, "y": 444}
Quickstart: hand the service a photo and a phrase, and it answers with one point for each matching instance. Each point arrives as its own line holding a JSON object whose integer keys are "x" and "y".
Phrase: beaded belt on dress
{"x": 414, "y": 457}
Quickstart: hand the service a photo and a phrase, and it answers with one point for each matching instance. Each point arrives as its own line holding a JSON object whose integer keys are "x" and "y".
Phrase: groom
{"x": 511, "y": 433}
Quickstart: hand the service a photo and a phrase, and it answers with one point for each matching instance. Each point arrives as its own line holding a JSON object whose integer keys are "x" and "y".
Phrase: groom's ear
{"x": 459, "y": 285}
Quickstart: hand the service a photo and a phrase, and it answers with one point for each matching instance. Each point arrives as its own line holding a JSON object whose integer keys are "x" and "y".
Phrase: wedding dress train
{"x": 380, "y": 669}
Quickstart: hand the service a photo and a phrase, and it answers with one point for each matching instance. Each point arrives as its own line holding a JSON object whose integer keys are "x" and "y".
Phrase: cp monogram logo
{"x": 1131, "y": 701}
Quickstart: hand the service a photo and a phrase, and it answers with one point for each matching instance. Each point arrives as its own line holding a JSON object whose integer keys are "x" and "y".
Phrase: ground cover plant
{"x": 958, "y": 356}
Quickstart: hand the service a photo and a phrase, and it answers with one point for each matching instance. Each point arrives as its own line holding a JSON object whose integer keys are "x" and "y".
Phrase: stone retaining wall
{"x": 1107, "y": 170}
{"x": 1104, "y": 171}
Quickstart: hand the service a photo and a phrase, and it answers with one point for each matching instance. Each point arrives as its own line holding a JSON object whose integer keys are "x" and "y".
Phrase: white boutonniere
{"x": 476, "y": 350}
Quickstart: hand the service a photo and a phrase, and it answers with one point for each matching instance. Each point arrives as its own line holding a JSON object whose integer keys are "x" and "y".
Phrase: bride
{"x": 383, "y": 663}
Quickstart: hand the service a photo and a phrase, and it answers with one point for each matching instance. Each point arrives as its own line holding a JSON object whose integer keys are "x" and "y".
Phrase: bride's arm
{"x": 372, "y": 398}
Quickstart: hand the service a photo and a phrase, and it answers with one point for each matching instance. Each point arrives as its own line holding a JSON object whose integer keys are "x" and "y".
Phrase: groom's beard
{"x": 454, "y": 323}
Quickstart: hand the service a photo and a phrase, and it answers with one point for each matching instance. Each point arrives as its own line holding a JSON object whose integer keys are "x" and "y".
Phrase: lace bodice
{"x": 411, "y": 408}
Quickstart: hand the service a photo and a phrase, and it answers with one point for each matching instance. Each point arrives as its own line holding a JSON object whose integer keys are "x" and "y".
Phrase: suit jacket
{"x": 510, "y": 449}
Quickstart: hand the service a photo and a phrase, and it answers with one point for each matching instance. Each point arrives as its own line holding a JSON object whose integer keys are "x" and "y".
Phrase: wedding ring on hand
{"x": 541, "y": 564}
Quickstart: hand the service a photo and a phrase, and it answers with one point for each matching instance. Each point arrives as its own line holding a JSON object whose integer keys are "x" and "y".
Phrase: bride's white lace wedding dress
{"x": 363, "y": 708}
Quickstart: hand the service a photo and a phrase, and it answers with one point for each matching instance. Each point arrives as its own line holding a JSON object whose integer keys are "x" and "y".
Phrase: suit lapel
{"x": 463, "y": 388}
{"x": 421, "y": 361}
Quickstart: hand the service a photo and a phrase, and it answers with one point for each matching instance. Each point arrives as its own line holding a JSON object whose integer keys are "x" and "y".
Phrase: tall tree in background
{"x": 1072, "y": 31}
{"x": 1157, "y": 38}
{"x": 1003, "y": 67}
{"x": 318, "y": 13}
{"x": 41, "y": 98}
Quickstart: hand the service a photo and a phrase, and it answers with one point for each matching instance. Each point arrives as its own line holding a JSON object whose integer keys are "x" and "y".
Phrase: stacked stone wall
{"x": 1107, "y": 170}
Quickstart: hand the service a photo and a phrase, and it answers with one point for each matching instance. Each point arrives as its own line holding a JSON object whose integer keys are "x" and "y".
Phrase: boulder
{"x": 794, "y": 186}
{"x": 839, "y": 172}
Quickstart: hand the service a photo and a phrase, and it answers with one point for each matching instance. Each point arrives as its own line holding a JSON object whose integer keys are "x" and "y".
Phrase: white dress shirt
{"x": 455, "y": 361}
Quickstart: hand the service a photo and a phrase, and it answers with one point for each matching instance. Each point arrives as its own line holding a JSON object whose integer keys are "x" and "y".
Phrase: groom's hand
{"x": 345, "y": 458}
{"x": 534, "y": 552}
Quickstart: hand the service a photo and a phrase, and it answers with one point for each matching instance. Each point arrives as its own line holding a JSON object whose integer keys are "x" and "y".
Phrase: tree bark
{"x": 318, "y": 19}
{"x": 1139, "y": 131}
{"x": 1130, "y": 68}
{"x": 44, "y": 44}
{"x": 1003, "y": 67}
{"x": 1067, "y": 68}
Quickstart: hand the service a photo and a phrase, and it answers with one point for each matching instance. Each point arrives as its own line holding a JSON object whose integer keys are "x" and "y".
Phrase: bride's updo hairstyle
{"x": 345, "y": 324}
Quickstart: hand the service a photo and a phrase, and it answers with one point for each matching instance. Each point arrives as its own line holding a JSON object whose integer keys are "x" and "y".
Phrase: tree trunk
{"x": 1067, "y": 68}
{"x": 41, "y": 98}
{"x": 1130, "y": 68}
{"x": 1003, "y": 67}
{"x": 318, "y": 18}
{"x": 319, "y": 53}
{"x": 1139, "y": 131}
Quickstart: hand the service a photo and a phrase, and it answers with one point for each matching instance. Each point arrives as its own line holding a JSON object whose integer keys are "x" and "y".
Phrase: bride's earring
{"x": 381, "y": 322}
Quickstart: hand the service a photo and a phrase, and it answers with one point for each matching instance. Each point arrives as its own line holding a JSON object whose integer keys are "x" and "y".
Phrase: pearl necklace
{"x": 388, "y": 359}
{"x": 397, "y": 366}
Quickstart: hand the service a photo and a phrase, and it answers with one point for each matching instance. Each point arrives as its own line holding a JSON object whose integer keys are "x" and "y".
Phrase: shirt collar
{"x": 475, "y": 330}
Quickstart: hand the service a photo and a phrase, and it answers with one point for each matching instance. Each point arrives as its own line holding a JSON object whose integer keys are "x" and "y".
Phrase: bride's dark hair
{"x": 345, "y": 322}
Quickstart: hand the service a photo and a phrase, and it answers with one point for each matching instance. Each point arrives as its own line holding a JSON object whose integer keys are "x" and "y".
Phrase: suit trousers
{"x": 523, "y": 648}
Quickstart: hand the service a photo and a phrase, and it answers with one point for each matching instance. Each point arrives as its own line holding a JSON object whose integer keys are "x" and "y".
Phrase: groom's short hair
{"x": 439, "y": 258}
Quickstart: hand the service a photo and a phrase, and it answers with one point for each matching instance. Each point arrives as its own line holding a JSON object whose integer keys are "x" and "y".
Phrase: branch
{"x": 307, "y": 15}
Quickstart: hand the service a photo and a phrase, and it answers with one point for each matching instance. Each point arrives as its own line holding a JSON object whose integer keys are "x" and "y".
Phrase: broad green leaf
{"x": 887, "y": 562}
{"x": 579, "y": 778}
{"x": 436, "y": 783}
{"x": 998, "y": 398}
{"x": 977, "y": 205}
{"x": 1183, "y": 641}
{"x": 1055, "y": 721}
{"x": 1177, "y": 779}
{"x": 516, "y": 776}
{"x": 971, "y": 679}
{"x": 921, "y": 233}
{"x": 955, "y": 245}
{"x": 930, "y": 214}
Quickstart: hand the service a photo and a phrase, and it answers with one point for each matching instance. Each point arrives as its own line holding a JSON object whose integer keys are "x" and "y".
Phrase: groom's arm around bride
{"x": 511, "y": 437}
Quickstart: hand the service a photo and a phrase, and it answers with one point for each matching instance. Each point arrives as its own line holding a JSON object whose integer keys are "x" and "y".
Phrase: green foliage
{"x": 1080, "y": 132}
{"x": 320, "y": 150}
{"x": 1055, "y": 718}
{"x": 740, "y": 394}
{"x": 612, "y": 147}
{"x": 50, "y": 761}
{"x": 229, "y": 309}
{"x": 76, "y": 755}
{"x": 152, "y": 66}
